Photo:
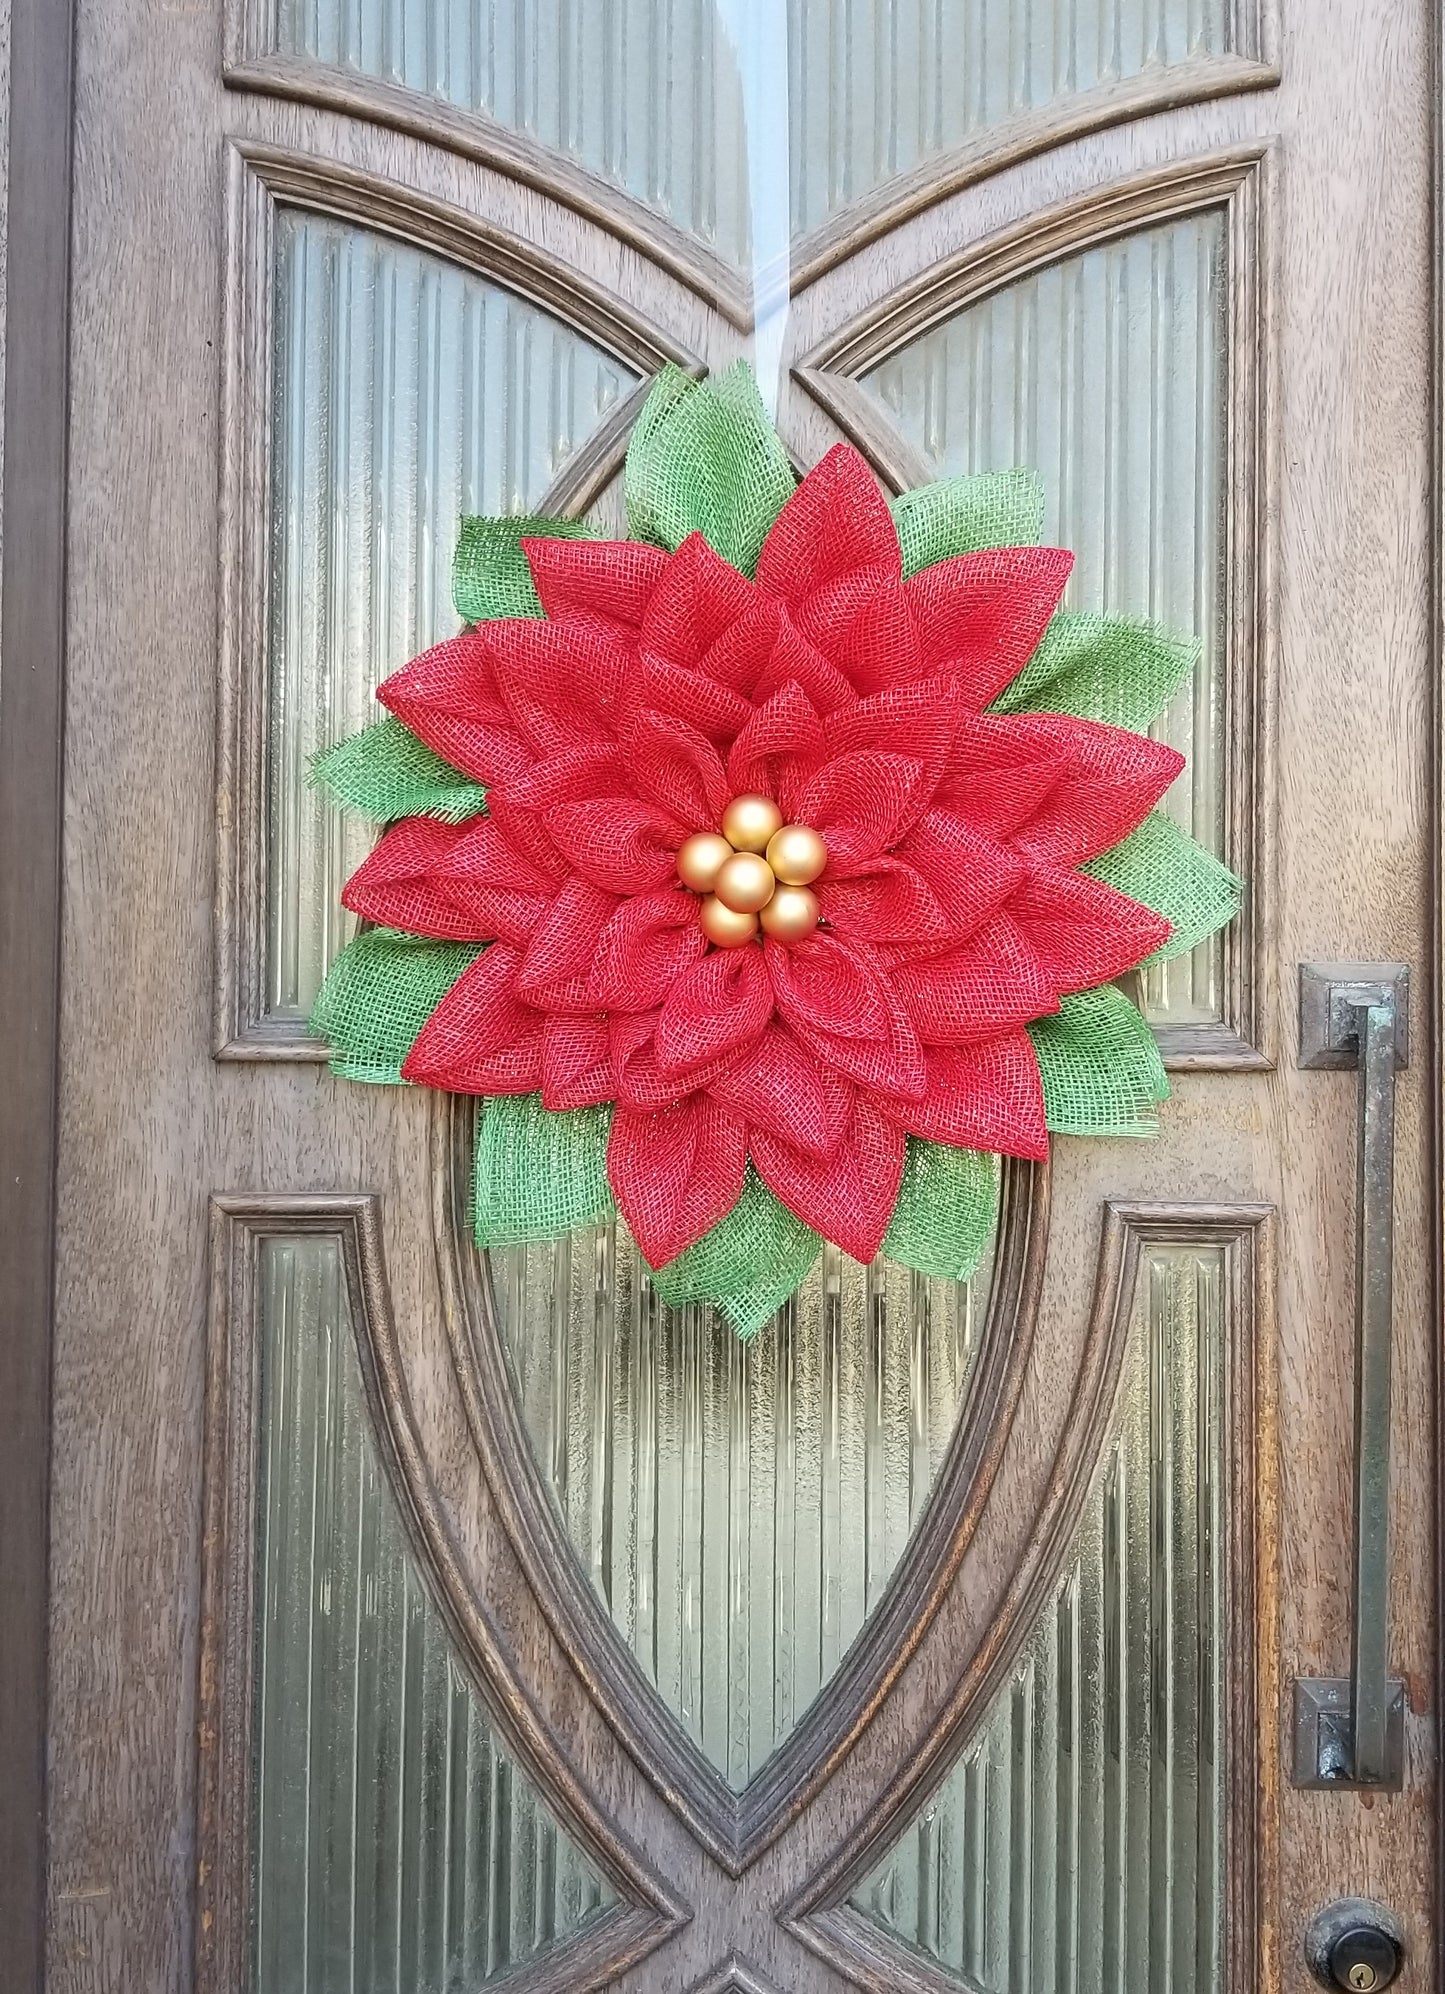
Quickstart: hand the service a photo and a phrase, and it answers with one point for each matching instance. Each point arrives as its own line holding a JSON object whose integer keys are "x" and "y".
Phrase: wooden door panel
{"x": 194, "y": 1124}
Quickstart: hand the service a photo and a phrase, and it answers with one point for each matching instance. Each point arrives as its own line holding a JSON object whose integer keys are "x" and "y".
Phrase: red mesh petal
{"x": 572, "y": 777}
{"x": 610, "y": 579}
{"x": 794, "y": 661}
{"x": 677, "y": 768}
{"x": 576, "y": 1063}
{"x": 714, "y": 1009}
{"x": 619, "y": 843}
{"x": 694, "y": 696}
{"x": 918, "y": 721}
{"x": 785, "y": 1090}
{"x": 527, "y": 836}
{"x": 1115, "y": 780}
{"x": 778, "y": 750}
{"x": 992, "y": 982}
{"x": 637, "y": 1081}
{"x": 675, "y": 1172}
{"x": 861, "y": 623}
{"x": 449, "y": 698}
{"x": 481, "y": 1039}
{"x": 862, "y": 804}
{"x": 739, "y": 656}
{"x": 837, "y": 997}
{"x": 645, "y": 947}
{"x": 699, "y": 598}
{"x": 503, "y": 893}
{"x": 848, "y": 1196}
{"x": 562, "y": 682}
{"x": 562, "y": 949}
{"x": 836, "y": 522}
{"x": 980, "y": 616}
{"x": 1000, "y": 769}
{"x": 885, "y": 901}
{"x": 985, "y": 1096}
{"x": 970, "y": 872}
{"x": 399, "y": 885}
{"x": 1084, "y": 932}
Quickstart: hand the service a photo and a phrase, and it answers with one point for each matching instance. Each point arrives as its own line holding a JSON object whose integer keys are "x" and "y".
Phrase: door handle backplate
{"x": 1349, "y": 1730}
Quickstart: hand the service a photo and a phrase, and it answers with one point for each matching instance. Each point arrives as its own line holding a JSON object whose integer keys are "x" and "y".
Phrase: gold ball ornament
{"x": 797, "y": 854}
{"x": 749, "y": 821}
{"x": 701, "y": 859}
{"x": 725, "y": 925}
{"x": 745, "y": 883}
{"x": 791, "y": 914}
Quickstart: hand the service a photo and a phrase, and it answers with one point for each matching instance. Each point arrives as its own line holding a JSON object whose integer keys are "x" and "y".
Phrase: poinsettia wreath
{"x": 767, "y": 872}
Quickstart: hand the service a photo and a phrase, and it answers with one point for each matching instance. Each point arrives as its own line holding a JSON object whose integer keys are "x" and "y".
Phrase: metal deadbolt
{"x": 1355, "y": 1945}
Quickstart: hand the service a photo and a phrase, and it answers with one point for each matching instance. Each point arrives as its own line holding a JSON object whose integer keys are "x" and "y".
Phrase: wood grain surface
{"x": 1333, "y": 523}
{"x": 35, "y": 53}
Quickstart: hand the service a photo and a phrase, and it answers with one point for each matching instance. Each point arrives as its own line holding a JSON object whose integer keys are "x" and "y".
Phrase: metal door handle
{"x": 1349, "y": 1732}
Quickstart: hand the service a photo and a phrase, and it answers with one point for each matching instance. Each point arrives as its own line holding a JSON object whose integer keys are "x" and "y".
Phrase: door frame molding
{"x": 32, "y": 676}
{"x": 1435, "y": 1013}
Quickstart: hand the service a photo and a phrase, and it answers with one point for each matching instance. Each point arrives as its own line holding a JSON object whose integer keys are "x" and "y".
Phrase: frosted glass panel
{"x": 655, "y": 96}
{"x": 407, "y": 392}
{"x": 740, "y": 1507}
{"x": 397, "y": 1850}
{"x": 1106, "y": 374}
{"x": 1078, "y": 1843}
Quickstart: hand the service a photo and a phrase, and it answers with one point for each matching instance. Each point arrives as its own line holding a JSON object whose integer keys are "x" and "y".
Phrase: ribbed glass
{"x": 397, "y": 1849}
{"x": 1078, "y": 1843}
{"x": 406, "y": 393}
{"x": 1106, "y": 374}
{"x": 739, "y": 1506}
{"x": 656, "y": 96}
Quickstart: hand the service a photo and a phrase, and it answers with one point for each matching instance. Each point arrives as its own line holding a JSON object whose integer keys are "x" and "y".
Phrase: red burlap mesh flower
{"x": 658, "y": 686}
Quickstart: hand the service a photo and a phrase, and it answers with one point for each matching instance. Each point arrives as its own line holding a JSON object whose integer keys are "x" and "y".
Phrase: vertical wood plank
{"x": 32, "y": 642}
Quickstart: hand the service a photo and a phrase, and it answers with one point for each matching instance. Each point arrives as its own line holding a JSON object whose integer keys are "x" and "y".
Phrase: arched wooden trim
{"x": 473, "y": 135}
{"x": 735, "y": 1828}
{"x": 1237, "y": 180}
{"x": 607, "y": 1945}
{"x": 261, "y": 178}
{"x": 734, "y": 1975}
{"x": 820, "y": 1917}
{"x": 1025, "y": 136}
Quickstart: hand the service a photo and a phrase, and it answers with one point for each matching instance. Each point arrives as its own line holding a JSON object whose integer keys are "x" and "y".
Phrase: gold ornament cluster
{"x": 754, "y": 872}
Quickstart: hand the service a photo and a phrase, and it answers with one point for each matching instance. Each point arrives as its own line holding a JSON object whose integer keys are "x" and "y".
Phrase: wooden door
{"x": 414, "y": 1620}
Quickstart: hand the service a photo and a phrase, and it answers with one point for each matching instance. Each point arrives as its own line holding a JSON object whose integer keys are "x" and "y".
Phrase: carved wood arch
{"x": 263, "y": 177}
{"x": 1237, "y": 181}
{"x": 252, "y": 65}
{"x": 650, "y": 1910}
{"x": 735, "y": 1827}
{"x": 820, "y": 1916}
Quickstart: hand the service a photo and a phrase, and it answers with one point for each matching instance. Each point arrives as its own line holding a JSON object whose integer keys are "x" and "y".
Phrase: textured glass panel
{"x": 397, "y": 1850}
{"x": 1106, "y": 374}
{"x": 406, "y": 393}
{"x": 657, "y": 96}
{"x": 1078, "y": 1843}
{"x": 739, "y": 1506}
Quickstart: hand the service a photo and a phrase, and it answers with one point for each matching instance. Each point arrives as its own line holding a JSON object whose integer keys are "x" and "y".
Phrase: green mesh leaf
{"x": 381, "y": 990}
{"x": 539, "y": 1173}
{"x": 385, "y": 772}
{"x": 1164, "y": 868}
{"x": 1101, "y": 1069}
{"x": 490, "y": 576}
{"x": 963, "y": 515}
{"x": 947, "y": 1206}
{"x": 705, "y": 459}
{"x": 1101, "y": 668}
{"x": 748, "y": 1264}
